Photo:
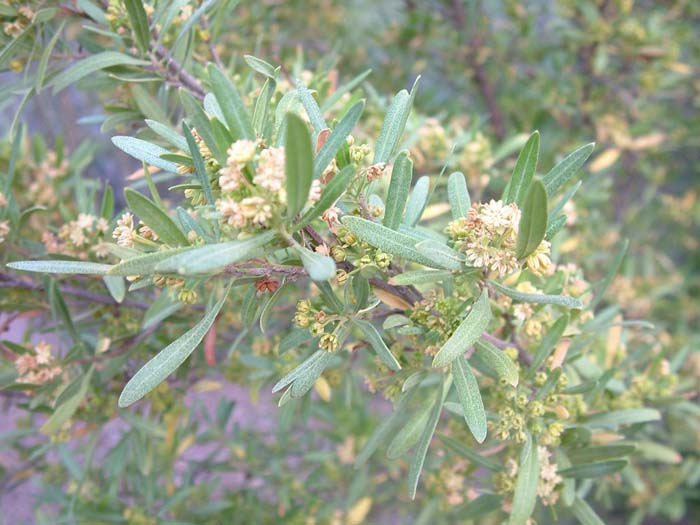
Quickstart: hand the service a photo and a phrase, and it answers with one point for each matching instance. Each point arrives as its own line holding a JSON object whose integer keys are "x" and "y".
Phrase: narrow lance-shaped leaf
{"x": 441, "y": 254}
{"x": 470, "y": 398}
{"x": 155, "y": 218}
{"x": 399, "y": 187}
{"x": 425, "y": 439}
{"x": 199, "y": 167}
{"x": 331, "y": 193}
{"x": 378, "y": 344}
{"x": 394, "y": 124}
{"x": 549, "y": 342}
{"x": 144, "y": 151}
{"x": 139, "y": 23}
{"x": 311, "y": 106}
{"x": 307, "y": 379}
{"x": 533, "y": 220}
{"x": 584, "y": 513}
{"x": 261, "y": 66}
{"x": 141, "y": 264}
{"x": 67, "y": 267}
{"x": 410, "y": 433}
{"x": 458, "y": 195}
{"x": 91, "y": 64}
{"x": 593, "y": 470}
{"x": 467, "y": 333}
{"x": 472, "y": 455}
{"x": 67, "y": 408}
{"x": 498, "y": 361}
{"x": 525, "y": 495}
{"x": 524, "y": 171}
{"x": 417, "y": 201}
{"x": 337, "y": 138}
{"x": 170, "y": 358}
{"x": 560, "y": 300}
{"x": 211, "y": 257}
{"x": 319, "y": 267}
{"x": 384, "y": 429}
{"x": 200, "y": 121}
{"x": 390, "y": 241}
{"x": 298, "y": 164}
{"x": 566, "y": 169}
{"x": 237, "y": 118}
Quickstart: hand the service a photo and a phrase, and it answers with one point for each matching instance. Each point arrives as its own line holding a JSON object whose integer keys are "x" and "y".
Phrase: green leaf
{"x": 600, "y": 288}
{"x": 201, "y": 122}
{"x": 345, "y": 88}
{"x": 472, "y": 455}
{"x": 424, "y": 441}
{"x": 67, "y": 408}
{"x": 524, "y": 171}
{"x": 107, "y": 206}
{"x": 142, "y": 264}
{"x": 139, "y": 23}
{"x": 145, "y": 152}
{"x": 210, "y": 257}
{"x": 298, "y": 164}
{"x": 458, "y": 195}
{"x": 560, "y": 300}
{"x": 262, "y": 108}
{"x": 566, "y": 169}
{"x": 337, "y": 138}
{"x": 593, "y": 470}
{"x": 199, "y": 167}
{"x": 555, "y": 227}
{"x": 116, "y": 287}
{"x": 467, "y": 333}
{"x": 417, "y": 201}
{"x": 168, "y": 134}
{"x": 549, "y": 341}
{"x": 268, "y": 307}
{"x": 584, "y": 513}
{"x": 533, "y": 220}
{"x": 319, "y": 267}
{"x": 525, "y": 495}
{"x": 420, "y": 277}
{"x": 155, "y": 218}
{"x": 296, "y": 337}
{"x": 470, "y": 398}
{"x": 441, "y": 255}
{"x": 262, "y": 67}
{"x": 600, "y": 453}
{"x": 331, "y": 193}
{"x": 378, "y": 344}
{"x": 69, "y": 267}
{"x": 400, "y": 184}
{"x": 237, "y": 118}
{"x": 311, "y": 106}
{"x": 155, "y": 371}
{"x": 306, "y": 380}
{"x": 387, "y": 240}
{"x": 498, "y": 361}
{"x": 384, "y": 429}
{"x": 625, "y": 416}
{"x": 91, "y": 64}
{"x": 298, "y": 371}
{"x": 46, "y": 55}
{"x": 410, "y": 433}
{"x": 394, "y": 124}
{"x": 478, "y": 507}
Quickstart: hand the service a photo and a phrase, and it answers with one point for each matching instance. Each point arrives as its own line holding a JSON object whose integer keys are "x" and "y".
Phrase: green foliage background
{"x": 621, "y": 73}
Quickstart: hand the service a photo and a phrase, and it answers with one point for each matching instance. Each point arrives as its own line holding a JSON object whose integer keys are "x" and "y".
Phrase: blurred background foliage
{"x": 622, "y": 73}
